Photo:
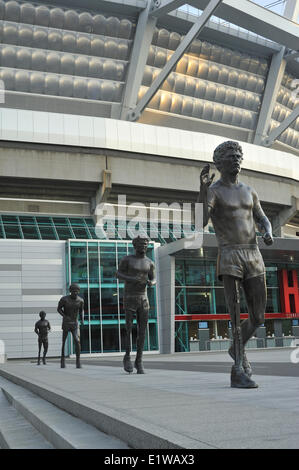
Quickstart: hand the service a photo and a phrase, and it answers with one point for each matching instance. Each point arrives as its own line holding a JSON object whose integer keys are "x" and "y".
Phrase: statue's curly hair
{"x": 139, "y": 239}
{"x": 222, "y": 148}
{"x": 74, "y": 285}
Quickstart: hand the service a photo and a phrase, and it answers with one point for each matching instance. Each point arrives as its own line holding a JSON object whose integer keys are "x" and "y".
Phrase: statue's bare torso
{"x": 232, "y": 213}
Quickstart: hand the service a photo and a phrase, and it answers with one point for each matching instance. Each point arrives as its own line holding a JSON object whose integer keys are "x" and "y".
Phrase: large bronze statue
{"x": 235, "y": 210}
{"x": 70, "y": 307}
{"x": 137, "y": 271}
{"x": 42, "y": 328}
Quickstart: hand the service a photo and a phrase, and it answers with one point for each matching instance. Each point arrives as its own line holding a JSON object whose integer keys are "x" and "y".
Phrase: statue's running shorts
{"x": 241, "y": 261}
{"x": 136, "y": 303}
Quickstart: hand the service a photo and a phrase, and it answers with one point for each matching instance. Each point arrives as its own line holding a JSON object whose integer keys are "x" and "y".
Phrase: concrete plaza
{"x": 183, "y": 401}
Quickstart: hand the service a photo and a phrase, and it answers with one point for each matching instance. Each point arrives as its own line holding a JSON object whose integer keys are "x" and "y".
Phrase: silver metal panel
{"x": 32, "y": 292}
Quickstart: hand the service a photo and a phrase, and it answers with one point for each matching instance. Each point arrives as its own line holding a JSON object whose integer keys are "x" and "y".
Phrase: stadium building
{"x": 123, "y": 103}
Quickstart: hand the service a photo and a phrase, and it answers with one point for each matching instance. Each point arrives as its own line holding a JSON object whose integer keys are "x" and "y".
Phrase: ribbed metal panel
{"x": 31, "y": 282}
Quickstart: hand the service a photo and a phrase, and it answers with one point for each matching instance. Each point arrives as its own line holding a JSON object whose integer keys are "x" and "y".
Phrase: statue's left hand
{"x": 268, "y": 239}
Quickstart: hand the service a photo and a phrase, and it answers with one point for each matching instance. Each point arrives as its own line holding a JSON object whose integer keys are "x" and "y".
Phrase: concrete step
{"x": 65, "y": 392}
{"x": 56, "y": 426}
{"x": 16, "y": 432}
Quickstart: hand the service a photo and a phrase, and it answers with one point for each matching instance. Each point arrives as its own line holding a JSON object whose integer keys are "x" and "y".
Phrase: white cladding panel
{"x": 65, "y": 129}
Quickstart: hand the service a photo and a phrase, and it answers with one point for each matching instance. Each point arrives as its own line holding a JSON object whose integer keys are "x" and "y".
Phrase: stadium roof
{"x": 103, "y": 58}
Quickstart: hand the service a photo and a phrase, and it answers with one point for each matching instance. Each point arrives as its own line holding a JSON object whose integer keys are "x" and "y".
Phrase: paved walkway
{"x": 187, "y": 409}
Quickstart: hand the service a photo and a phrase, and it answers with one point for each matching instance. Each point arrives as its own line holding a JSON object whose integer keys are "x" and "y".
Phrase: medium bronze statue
{"x": 42, "y": 328}
{"x": 235, "y": 210}
{"x": 70, "y": 307}
{"x": 137, "y": 271}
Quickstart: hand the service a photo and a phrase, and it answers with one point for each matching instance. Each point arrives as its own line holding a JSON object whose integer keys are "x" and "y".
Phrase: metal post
{"x": 142, "y": 42}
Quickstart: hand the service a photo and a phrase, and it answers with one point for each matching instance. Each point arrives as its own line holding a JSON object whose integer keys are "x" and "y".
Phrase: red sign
{"x": 226, "y": 316}
{"x": 289, "y": 296}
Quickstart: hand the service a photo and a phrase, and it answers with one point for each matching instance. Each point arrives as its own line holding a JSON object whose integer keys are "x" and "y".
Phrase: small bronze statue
{"x": 69, "y": 307}
{"x": 138, "y": 272}
{"x": 235, "y": 210}
{"x": 42, "y": 327}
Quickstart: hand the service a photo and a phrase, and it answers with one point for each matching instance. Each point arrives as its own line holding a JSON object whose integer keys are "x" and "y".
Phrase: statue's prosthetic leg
{"x": 39, "y": 350}
{"x": 128, "y": 366}
{"x": 239, "y": 379}
{"x": 142, "y": 321}
{"x": 45, "y": 343}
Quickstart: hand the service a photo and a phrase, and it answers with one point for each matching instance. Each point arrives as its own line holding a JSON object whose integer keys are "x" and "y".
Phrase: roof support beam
{"x": 273, "y": 84}
{"x": 257, "y": 19}
{"x": 282, "y": 127}
{"x": 165, "y": 6}
{"x": 185, "y": 43}
{"x": 142, "y": 41}
{"x": 285, "y": 216}
{"x": 291, "y": 55}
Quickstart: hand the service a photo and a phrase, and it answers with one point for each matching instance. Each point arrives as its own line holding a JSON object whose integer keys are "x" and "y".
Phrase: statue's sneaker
{"x": 139, "y": 367}
{"x": 128, "y": 366}
{"x": 241, "y": 380}
{"x": 246, "y": 364}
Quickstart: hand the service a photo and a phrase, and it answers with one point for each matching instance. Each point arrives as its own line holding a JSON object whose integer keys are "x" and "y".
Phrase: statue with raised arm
{"x": 235, "y": 210}
{"x": 137, "y": 271}
{"x": 42, "y": 328}
{"x": 70, "y": 307}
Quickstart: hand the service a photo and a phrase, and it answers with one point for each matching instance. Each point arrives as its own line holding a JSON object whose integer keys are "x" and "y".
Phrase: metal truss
{"x": 283, "y": 31}
{"x": 134, "y": 114}
{"x": 281, "y": 128}
{"x": 274, "y": 79}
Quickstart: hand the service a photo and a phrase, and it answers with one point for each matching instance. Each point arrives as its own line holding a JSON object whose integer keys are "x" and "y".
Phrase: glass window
{"x": 1, "y": 230}
{"x": 47, "y": 233}
{"x": 181, "y": 336}
{"x": 219, "y": 301}
{"x": 106, "y": 317}
{"x": 64, "y": 233}
{"x": 84, "y": 339}
{"x": 93, "y": 233}
{"x": 151, "y": 293}
{"x": 96, "y": 338}
{"x": 110, "y": 338}
{"x": 273, "y": 301}
{"x": 108, "y": 263}
{"x": 60, "y": 221}
{"x": 199, "y": 301}
{"x": 199, "y": 272}
{"x": 26, "y": 220}
{"x": 76, "y": 222}
{"x": 121, "y": 251}
{"x": 30, "y": 232}
{"x": 109, "y": 303}
{"x": 179, "y": 273}
{"x": 153, "y": 336}
{"x": 12, "y": 231}
{"x": 180, "y": 301}
{"x": 94, "y": 298}
{"x": 272, "y": 276}
{"x": 93, "y": 261}
{"x": 44, "y": 220}
{"x": 79, "y": 263}
{"x": 9, "y": 219}
{"x": 81, "y": 232}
